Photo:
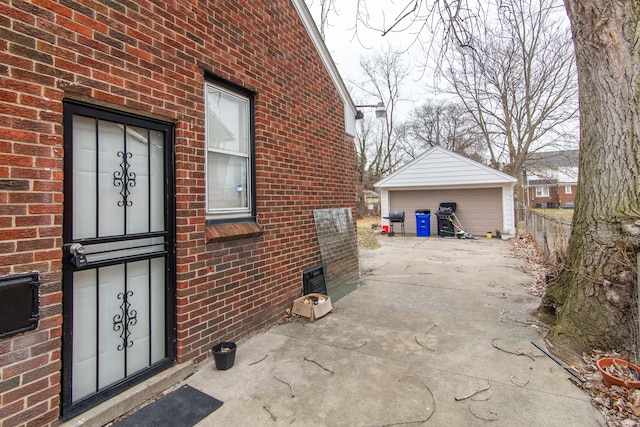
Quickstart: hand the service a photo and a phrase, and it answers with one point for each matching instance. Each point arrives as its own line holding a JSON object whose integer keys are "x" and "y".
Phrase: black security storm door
{"x": 118, "y": 255}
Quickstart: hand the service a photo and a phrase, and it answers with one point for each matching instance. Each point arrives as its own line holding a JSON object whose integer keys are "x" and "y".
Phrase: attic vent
{"x": 313, "y": 281}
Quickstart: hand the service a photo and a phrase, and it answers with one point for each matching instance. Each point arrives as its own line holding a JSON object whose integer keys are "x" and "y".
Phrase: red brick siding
{"x": 557, "y": 194}
{"x": 551, "y": 198}
{"x": 150, "y": 58}
{"x": 567, "y": 198}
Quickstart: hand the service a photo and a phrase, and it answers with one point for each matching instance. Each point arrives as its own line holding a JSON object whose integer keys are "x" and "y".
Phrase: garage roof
{"x": 439, "y": 167}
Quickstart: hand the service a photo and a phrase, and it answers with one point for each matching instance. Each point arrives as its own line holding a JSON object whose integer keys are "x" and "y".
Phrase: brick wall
{"x": 551, "y": 198}
{"x": 151, "y": 60}
{"x": 567, "y": 199}
{"x": 557, "y": 194}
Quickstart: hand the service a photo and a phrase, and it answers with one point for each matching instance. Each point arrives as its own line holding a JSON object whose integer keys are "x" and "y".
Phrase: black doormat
{"x": 183, "y": 407}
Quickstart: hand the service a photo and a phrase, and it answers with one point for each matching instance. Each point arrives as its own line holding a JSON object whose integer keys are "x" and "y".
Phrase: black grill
{"x": 396, "y": 216}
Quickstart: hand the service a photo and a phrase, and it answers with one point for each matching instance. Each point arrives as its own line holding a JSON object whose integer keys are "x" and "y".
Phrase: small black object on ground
{"x": 224, "y": 354}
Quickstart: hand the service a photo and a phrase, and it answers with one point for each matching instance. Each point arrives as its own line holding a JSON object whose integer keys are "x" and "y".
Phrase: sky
{"x": 347, "y": 47}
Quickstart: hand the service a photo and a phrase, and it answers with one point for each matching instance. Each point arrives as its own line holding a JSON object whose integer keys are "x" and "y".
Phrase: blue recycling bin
{"x": 423, "y": 222}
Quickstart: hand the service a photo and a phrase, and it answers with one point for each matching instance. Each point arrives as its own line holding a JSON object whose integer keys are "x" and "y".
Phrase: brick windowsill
{"x": 233, "y": 231}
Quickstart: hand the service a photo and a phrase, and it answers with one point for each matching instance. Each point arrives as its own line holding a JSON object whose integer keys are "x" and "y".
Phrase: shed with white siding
{"x": 484, "y": 196}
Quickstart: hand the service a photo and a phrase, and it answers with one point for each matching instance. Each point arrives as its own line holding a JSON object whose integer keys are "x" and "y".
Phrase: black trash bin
{"x": 445, "y": 226}
{"x": 423, "y": 222}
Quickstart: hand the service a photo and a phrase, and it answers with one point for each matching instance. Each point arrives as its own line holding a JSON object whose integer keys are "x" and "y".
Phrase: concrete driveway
{"x": 409, "y": 345}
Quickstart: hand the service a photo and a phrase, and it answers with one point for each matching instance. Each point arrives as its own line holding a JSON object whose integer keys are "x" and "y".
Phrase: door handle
{"x": 77, "y": 256}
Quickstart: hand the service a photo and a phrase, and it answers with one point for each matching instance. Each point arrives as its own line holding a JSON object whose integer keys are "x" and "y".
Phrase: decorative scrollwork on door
{"x": 124, "y": 179}
{"x": 122, "y": 322}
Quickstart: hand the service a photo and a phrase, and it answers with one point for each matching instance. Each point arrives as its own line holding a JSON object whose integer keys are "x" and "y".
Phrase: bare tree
{"x": 327, "y": 8}
{"x": 370, "y": 163}
{"x": 517, "y": 78}
{"x": 385, "y": 72}
{"x": 440, "y": 123}
{"x": 369, "y": 141}
{"x": 593, "y": 302}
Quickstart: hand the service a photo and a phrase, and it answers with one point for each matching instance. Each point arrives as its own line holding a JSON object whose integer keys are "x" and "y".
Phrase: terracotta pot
{"x": 610, "y": 380}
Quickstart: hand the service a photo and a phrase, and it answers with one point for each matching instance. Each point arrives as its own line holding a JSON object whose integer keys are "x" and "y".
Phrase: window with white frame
{"x": 568, "y": 189}
{"x": 542, "y": 191}
{"x": 229, "y": 153}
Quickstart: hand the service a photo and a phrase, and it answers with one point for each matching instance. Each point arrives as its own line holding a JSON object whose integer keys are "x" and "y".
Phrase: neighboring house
{"x": 483, "y": 196}
{"x": 371, "y": 201}
{"x": 160, "y": 167}
{"x": 550, "y": 179}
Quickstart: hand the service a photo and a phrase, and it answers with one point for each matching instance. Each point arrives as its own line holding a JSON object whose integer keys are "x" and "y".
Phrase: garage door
{"x": 479, "y": 210}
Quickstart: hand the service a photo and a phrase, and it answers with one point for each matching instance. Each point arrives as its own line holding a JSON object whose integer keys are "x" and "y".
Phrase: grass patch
{"x": 566, "y": 214}
{"x": 367, "y": 237}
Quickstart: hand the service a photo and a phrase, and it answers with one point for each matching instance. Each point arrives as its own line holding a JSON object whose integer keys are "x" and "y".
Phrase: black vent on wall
{"x": 313, "y": 281}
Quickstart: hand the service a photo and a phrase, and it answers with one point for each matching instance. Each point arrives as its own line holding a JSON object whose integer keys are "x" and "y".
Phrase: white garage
{"x": 483, "y": 195}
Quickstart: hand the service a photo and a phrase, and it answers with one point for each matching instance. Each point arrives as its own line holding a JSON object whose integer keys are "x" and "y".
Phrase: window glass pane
{"x": 227, "y": 181}
{"x": 228, "y": 133}
{"x": 227, "y": 117}
{"x": 138, "y": 212}
{"x": 85, "y": 186}
{"x": 542, "y": 191}
{"x": 156, "y": 202}
{"x": 110, "y": 159}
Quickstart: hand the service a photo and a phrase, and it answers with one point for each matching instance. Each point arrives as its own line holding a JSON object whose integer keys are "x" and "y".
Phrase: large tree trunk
{"x": 594, "y": 298}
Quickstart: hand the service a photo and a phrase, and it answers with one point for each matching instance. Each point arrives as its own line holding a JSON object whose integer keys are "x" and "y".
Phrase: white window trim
{"x": 230, "y": 213}
{"x": 568, "y": 189}
{"x": 542, "y": 191}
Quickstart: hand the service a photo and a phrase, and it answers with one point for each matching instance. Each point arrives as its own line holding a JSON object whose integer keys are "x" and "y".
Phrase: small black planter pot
{"x": 224, "y": 355}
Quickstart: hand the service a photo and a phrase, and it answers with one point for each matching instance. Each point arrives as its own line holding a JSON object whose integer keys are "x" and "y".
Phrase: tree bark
{"x": 594, "y": 298}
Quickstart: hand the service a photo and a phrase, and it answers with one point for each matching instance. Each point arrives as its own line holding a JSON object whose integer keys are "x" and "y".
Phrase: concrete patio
{"x": 410, "y": 344}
